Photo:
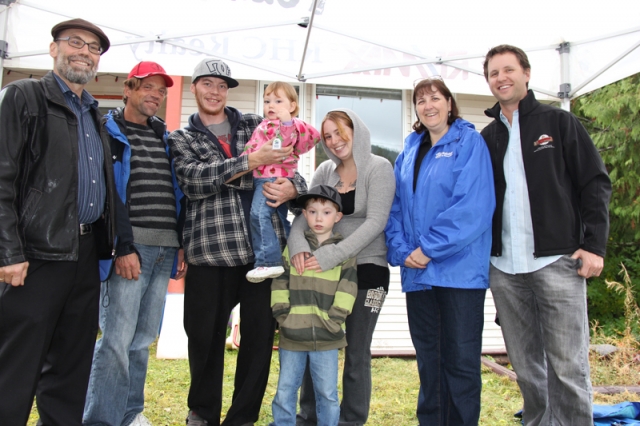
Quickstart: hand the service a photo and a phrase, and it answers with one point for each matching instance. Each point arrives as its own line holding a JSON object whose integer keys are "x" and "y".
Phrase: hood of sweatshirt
{"x": 361, "y": 146}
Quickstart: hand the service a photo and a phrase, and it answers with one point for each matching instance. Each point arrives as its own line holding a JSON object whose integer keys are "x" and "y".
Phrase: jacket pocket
{"x": 29, "y": 206}
{"x": 334, "y": 330}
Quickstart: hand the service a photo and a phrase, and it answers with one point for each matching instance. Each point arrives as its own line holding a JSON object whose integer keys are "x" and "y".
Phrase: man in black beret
{"x": 56, "y": 221}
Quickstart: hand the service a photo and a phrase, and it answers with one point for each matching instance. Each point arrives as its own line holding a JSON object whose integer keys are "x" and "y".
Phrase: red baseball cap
{"x": 147, "y": 68}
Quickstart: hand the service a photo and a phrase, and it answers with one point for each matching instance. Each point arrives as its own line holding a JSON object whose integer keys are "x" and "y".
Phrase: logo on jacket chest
{"x": 443, "y": 154}
{"x": 543, "y": 142}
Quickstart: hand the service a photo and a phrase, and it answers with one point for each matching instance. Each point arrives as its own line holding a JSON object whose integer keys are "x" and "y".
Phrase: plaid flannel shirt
{"x": 216, "y": 230}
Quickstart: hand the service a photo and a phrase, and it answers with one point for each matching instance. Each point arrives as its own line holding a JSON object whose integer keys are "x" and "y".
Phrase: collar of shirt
{"x": 87, "y": 101}
{"x": 518, "y": 245}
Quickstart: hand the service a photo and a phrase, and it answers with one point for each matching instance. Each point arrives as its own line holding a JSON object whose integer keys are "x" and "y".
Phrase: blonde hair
{"x": 288, "y": 90}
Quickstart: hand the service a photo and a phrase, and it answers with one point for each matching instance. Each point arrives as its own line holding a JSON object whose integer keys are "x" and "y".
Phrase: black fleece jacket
{"x": 569, "y": 187}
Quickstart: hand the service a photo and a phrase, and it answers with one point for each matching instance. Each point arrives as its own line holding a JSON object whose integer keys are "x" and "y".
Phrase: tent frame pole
{"x": 300, "y": 75}
{"x": 4, "y": 46}
{"x": 564, "y": 49}
{"x": 605, "y": 68}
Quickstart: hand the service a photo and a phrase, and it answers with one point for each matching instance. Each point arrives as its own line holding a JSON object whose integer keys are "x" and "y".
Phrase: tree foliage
{"x": 612, "y": 117}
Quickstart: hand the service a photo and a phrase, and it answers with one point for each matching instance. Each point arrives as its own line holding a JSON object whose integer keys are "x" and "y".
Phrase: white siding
{"x": 472, "y": 109}
{"x": 306, "y": 166}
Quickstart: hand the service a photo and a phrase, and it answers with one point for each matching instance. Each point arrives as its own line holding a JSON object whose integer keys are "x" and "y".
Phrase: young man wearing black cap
{"x": 56, "y": 220}
{"x": 132, "y": 297}
{"x": 217, "y": 243}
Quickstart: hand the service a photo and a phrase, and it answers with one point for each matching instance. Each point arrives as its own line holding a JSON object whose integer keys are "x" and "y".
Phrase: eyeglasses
{"x": 79, "y": 43}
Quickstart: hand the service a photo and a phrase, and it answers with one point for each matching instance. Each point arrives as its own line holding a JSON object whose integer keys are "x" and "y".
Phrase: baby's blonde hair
{"x": 288, "y": 90}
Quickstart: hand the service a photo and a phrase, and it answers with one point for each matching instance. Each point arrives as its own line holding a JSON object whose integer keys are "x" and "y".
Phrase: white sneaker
{"x": 261, "y": 273}
{"x": 140, "y": 420}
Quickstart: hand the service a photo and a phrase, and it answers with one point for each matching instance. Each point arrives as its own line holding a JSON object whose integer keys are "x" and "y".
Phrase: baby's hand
{"x": 283, "y": 115}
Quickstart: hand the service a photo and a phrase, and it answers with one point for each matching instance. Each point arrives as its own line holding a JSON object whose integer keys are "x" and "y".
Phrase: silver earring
{"x": 449, "y": 113}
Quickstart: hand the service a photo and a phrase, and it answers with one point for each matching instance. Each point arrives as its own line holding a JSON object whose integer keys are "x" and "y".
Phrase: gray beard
{"x": 74, "y": 76}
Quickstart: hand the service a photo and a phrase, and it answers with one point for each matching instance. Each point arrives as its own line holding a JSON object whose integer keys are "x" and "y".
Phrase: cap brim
{"x": 167, "y": 80}
{"x": 230, "y": 81}
{"x": 302, "y": 200}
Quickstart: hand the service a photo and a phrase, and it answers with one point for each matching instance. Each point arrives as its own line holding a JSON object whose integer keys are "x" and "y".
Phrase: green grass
{"x": 395, "y": 391}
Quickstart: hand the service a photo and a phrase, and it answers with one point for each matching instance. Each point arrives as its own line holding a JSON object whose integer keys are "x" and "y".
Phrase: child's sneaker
{"x": 261, "y": 273}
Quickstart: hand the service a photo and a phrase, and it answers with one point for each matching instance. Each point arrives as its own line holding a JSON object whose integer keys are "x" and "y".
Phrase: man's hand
{"x": 128, "y": 267}
{"x": 417, "y": 260}
{"x": 14, "y": 274}
{"x": 182, "y": 265}
{"x": 267, "y": 155}
{"x": 592, "y": 264}
{"x": 279, "y": 192}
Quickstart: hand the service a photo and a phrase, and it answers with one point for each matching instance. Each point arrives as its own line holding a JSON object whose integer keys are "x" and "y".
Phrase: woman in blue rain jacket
{"x": 439, "y": 233}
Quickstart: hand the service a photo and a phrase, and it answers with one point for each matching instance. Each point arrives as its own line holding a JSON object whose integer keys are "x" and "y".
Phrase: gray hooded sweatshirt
{"x": 363, "y": 230}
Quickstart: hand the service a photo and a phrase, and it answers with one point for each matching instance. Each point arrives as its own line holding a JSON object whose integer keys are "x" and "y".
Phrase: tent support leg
{"x": 564, "y": 49}
{"x": 4, "y": 46}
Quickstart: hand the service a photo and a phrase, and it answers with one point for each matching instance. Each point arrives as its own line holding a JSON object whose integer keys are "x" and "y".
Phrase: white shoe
{"x": 261, "y": 273}
{"x": 140, "y": 420}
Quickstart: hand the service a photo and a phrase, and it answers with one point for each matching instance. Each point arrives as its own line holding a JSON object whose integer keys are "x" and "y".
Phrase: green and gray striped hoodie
{"x": 311, "y": 308}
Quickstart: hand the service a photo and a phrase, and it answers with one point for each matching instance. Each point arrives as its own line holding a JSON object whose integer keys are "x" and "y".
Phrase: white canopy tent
{"x": 574, "y": 46}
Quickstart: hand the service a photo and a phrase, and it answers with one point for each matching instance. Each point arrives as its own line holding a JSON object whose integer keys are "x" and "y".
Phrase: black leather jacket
{"x": 39, "y": 176}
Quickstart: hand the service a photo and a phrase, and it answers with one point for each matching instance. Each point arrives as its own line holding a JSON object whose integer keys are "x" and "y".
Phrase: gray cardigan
{"x": 363, "y": 230}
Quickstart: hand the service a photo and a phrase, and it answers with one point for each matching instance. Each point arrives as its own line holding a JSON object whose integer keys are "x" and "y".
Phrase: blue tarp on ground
{"x": 623, "y": 414}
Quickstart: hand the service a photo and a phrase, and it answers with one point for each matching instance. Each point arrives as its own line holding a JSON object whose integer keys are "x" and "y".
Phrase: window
{"x": 379, "y": 109}
{"x": 299, "y": 91}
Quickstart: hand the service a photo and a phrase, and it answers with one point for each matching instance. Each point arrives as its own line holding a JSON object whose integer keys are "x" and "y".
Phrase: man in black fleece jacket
{"x": 550, "y": 230}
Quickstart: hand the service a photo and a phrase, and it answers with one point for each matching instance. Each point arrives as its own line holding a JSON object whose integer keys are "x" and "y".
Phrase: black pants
{"x": 48, "y": 330}
{"x": 210, "y": 294}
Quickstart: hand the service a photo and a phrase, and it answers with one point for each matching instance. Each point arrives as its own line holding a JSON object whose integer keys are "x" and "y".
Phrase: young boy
{"x": 311, "y": 309}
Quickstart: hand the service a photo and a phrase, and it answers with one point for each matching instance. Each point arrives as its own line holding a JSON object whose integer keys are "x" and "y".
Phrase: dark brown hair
{"x": 430, "y": 86}
{"x": 132, "y": 83}
{"x": 502, "y": 49}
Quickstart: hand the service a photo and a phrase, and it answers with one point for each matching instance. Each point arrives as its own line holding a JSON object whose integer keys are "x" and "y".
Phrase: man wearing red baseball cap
{"x": 56, "y": 210}
{"x": 135, "y": 284}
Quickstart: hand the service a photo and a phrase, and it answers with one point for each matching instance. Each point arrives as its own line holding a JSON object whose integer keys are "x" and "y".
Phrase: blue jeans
{"x": 266, "y": 246}
{"x": 130, "y": 314}
{"x": 324, "y": 373}
{"x": 446, "y": 329}
{"x": 543, "y": 315}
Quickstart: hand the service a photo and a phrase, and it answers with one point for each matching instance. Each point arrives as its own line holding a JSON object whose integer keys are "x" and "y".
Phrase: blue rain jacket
{"x": 122, "y": 172}
{"x": 448, "y": 216}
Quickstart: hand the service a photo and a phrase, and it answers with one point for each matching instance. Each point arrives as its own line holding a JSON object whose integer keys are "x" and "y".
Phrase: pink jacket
{"x": 300, "y": 134}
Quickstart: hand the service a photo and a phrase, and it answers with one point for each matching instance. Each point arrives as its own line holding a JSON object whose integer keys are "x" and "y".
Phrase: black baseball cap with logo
{"x": 321, "y": 191}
